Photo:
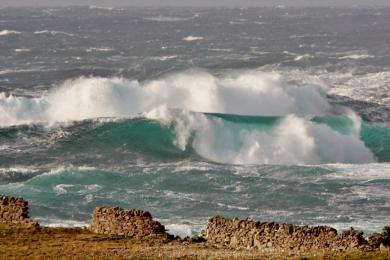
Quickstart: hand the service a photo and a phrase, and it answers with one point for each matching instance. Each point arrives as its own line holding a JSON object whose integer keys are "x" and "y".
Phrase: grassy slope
{"x": 39, "y": 243}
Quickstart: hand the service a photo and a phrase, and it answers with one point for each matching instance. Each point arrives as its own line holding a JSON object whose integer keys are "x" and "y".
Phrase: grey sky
{"x": 193, "y": 2}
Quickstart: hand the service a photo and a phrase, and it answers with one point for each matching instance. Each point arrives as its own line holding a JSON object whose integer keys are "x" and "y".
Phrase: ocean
{"x": 278, "y": 114}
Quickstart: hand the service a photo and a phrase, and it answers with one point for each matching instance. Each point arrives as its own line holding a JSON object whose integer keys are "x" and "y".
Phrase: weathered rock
{"x": 129, "y": 223}
{"x": 15, "y": 211}
{"x": 377, "y": 239}
{"x": 280, "y": 237}
{"x": 384, "y": 248}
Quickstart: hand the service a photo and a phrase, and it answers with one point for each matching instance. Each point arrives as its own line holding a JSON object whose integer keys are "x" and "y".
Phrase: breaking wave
{"x": 248, "y": 93}
{"x": 173, "y": 135}
{"x": 246, "y": 118}
{"x": 266, "y": 140}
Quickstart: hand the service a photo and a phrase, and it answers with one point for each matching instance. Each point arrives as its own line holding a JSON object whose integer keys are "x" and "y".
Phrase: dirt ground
{"x": 18, "y": 242}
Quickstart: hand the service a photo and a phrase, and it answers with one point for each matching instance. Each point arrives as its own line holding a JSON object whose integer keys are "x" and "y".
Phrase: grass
{"x": 18, "y": 242}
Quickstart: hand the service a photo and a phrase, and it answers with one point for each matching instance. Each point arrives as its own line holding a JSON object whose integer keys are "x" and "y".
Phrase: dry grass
{"x": 63, "y": 243}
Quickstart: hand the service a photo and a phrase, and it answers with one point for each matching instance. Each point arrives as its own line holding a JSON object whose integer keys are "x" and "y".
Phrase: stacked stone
{"x": 14, "y": 211}
{"x": 130, "y": 223}
{"x": 272, "y": 236}
{"x": 380, "y": 240}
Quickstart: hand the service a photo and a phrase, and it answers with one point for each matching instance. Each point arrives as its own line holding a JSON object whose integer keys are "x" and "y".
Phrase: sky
{"x": 229, "y": 3}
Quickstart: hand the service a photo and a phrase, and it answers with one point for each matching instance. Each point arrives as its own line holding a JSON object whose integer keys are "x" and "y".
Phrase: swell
{"x": 244, "y": 93}
{"x": 223, "y": 138}
{"x": 242, "y": 117}
{"x": 332, "y": 194}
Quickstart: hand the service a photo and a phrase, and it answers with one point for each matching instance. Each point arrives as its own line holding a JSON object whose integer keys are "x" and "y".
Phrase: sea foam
{"x": 245, "y": 93}
{"x": 294, "y": 140}
{"x": 179, "y": 100}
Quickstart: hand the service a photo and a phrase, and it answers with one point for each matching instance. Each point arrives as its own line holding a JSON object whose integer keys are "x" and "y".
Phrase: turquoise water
{"x": 134, "y": 163}
{"x": 279, "y": 114}
{"x": 124, "y": 141}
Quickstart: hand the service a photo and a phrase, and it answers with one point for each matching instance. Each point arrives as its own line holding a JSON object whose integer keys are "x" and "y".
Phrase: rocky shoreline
{"x": 261, "y": 238}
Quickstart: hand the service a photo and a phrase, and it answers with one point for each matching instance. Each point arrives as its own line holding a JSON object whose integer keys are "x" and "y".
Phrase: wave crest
{"x": 8, "y": 32}
{"x": 290, "y": 140}
{"x": 246, "y": 93}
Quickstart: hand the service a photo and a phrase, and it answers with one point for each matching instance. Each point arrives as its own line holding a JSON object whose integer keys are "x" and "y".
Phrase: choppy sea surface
{"x": 279, "y": 114}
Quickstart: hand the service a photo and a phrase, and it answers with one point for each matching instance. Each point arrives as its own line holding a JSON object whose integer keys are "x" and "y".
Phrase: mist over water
{"x": 279, "y": 114}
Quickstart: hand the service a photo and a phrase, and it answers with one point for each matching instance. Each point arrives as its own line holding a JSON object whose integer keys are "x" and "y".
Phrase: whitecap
{"x": 303, "y": 57}
{"x": 372, "y": 87}
{"x": 53, "y": 33}
{"x": 221, "y": 50}
{"x": 222, "y": 205}
{"x": 110, "y": 8}
{"x": 61, "y": 188}
{"x": 17, "y": 169}
{"x": 99, "y": 49}
{"x": 356, "y": 57}
{"x": 8, "y": 32}
{"x": 245, "y": 93}
{"x": 163, "y": 58}
{"x": 192, "y": 38}
{"x": 167, "y": 18}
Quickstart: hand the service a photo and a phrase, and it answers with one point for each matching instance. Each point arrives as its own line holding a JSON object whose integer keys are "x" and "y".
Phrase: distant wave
{"x": 167, "y": 18}
{"x": 22, "y": 50}
{"x": 53, "y": 33}
{"x": 192, "y": 38}
{"x": 10, "y": 71}
{"x": 303, "y": 57}
{"x": 8, "y": 32}
{"x": 356, "y": 57}
{"x": 163, "y": 58}
{"x": 99, "y": 49}
{"x": 101, "y": 7}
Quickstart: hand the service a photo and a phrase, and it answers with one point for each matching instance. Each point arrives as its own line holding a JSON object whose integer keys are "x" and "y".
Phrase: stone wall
{"x": 14, "y": 211}
{"x": 234, "y": 233}
{"x": 272, "y": 236}
{"x": 380, "y": 240}
{"x": 130, "y": 223}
